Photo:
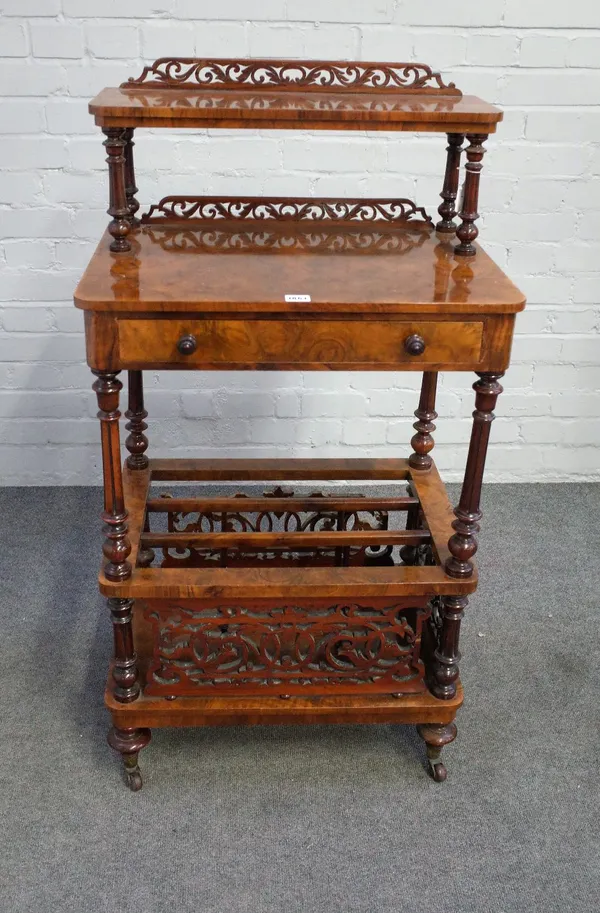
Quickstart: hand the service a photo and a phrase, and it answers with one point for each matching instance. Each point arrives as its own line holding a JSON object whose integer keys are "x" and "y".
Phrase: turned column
{"x": 116, "y": 546}
{"x": 136, "y": 441}
{"x": 467, "y": 231}
{"x": 124, "y": 669}
{"x": 463, "y": 544}
{"x": 120, "y": 227}
{"x": 422, "y": 442}
{"x": 447, "y": 208}
{"x": 130, "y": 186}
{"x": 446, "y": 656}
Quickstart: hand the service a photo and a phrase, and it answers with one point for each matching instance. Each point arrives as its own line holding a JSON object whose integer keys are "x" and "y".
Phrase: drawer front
{"x": 300, "y": 344}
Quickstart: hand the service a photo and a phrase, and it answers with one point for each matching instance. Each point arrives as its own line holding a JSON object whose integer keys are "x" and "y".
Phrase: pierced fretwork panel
{"x": 267, "y": 648}
{"x": 315, "y": 75}
{"x": 292, "y": 520}
{"x": 289, "y": 521}
{"x": 315, "y": 210}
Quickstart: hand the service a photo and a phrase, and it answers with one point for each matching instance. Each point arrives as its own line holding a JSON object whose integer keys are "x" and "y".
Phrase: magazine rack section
{"x": 319, "y": 603}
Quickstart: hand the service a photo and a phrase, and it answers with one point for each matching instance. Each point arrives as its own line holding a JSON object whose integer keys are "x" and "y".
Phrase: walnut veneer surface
{"x": 328, "y": 605}
{"x": 223, "y": 283}
{"x": 251, "y": 109}
{"x": 377, "y": 270}
{"x": 284, "y": 94}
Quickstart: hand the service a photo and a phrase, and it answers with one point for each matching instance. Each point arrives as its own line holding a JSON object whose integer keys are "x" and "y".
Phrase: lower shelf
{"x": 157, "y": 711}
{"x": 283, "y": 607}
{"x": 379, "y": 706}
{"x": 132, "y": 723}
{"x": 281, "y": 543}
{"x": 236, "y": 711}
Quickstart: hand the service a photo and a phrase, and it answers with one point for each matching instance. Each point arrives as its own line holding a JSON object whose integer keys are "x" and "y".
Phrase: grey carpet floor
{"x": 304, "y": 820}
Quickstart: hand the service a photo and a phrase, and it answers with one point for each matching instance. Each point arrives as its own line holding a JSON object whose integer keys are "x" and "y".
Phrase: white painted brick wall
{"x": 540, "y": 202}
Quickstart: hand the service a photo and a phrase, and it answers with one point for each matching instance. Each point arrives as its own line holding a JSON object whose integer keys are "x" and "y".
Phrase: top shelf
{"x": 292, "y": 94}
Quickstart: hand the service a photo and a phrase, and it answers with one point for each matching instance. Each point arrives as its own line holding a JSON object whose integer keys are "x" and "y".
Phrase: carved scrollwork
{"x": 291, "y": 649}
{"x": 289, "y": 521}
{"x": 312, "y": 75}
{"x": 293, "y": 520}
{"x": 284, "y": 209}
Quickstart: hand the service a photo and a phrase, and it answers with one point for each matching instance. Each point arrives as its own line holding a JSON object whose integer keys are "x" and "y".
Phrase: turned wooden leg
{"x": 120, "y": 226}
{"x": 116, "y": 547}
{"x": 422, "y": 442}
{"x": 136, "y": 441}
{"x": 446, "y": 656}
{"x": 130, "y": 186}
{"x": 129, "y": 742}
{"x": 126, "y": 685}
{"x": 463, "y": 544}
{"x": 467, "y": 231}
{"x": 447, "y": 209}
{"x": 435, "y": 737}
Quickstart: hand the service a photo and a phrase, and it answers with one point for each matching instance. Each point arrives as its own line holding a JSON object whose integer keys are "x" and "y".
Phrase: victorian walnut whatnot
{"x": 322, "y": 605}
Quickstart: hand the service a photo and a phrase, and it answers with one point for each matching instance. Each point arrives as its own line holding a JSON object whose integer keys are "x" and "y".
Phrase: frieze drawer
{"x": 301, "y": 344}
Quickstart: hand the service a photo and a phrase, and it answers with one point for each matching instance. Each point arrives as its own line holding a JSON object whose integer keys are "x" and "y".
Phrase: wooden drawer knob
{"x": 414, "y": 344}
{"x": 187, "y": 345}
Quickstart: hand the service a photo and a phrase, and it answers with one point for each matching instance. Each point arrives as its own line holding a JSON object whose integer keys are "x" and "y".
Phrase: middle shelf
{"x": 322, "y": 542}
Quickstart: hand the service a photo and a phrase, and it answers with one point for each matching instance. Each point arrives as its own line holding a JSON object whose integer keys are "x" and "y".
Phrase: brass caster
{"x": 435, "y": 736}
{"x": 437, "y": 771}
{"x": 133, "y": 776}
{"x": 129, "y": 743}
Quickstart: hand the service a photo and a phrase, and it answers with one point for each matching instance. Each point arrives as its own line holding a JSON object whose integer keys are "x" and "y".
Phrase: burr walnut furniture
{"x": 329, "y": 604}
